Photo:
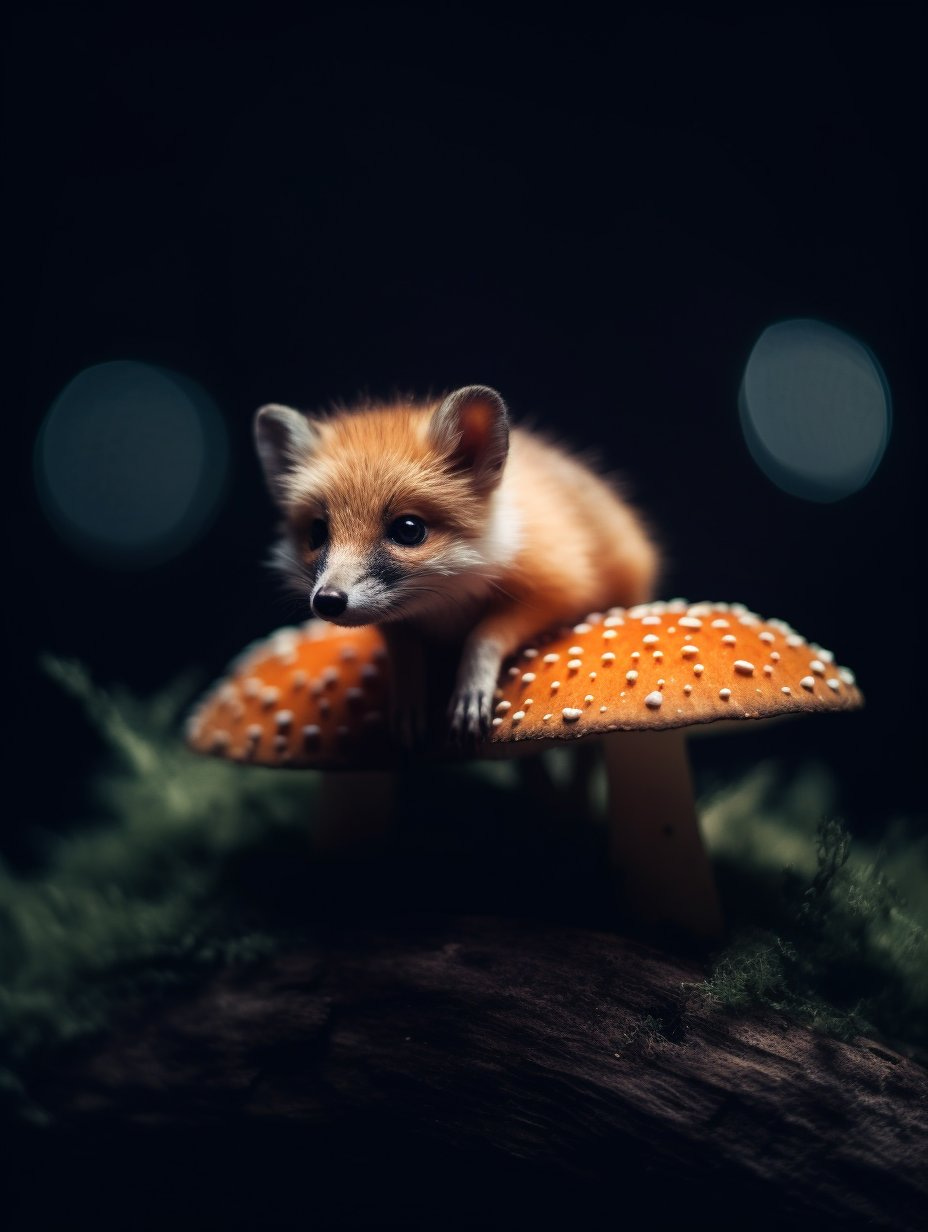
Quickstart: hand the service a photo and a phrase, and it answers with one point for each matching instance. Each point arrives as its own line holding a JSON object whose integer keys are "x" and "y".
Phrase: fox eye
{"x": 408, "y": 531}
{"x": 318, "y": 533}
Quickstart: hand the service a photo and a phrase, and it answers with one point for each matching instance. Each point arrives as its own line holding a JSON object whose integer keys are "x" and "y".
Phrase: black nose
{"x": 329, "y": 603}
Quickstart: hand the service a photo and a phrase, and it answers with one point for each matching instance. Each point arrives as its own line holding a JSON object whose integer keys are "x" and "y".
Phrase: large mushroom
{"x": 317, "y": 697}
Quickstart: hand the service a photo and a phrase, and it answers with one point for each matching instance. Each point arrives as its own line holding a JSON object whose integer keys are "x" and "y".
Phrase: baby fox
{"x": 439, "y": 522}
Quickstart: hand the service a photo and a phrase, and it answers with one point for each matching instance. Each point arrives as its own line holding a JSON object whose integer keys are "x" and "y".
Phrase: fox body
{"x": 438, "y": 522}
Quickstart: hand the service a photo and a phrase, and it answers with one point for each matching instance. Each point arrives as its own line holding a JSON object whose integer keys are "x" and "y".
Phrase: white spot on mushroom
{"x": 325, "y": 706}
{"x": 636, "y": 654}
{"x": 528, "y": 677}
{"x": 775, "y": 656}
{"x": 281, "y": 744}
{"x": 786, "y": 689}
{"x": 518, "y": 716}
{"x": 588, "y": 698}
{"x": 729, "y": 640}
{"x": 768, "y": 670}
{"x": 512, "y": 672}
{"x": 767, "y": 637}
{"x": 575, "y": 651}
{"x": 603, "y": 709}
{"x": 847, "y": 676}
{"x": 269, "y": 697}
{"x": 298, "y": 680}
{"x": 555, "y": 685}
{"x": 254, "y": 732}
{"x": 252, "y": 686}
{"x": 817, "y": 666}
{"x": 570, "y": 714}
{"x": 724, "y": 694}
{"x": 283, "y": 719}
{"x": 502, "y": 707}
{"x": 574, "y": 664}
{"x": 545, "y": 718}
{"x": 657, "y": 655}
{"x": 794, "y": 640}
{"x": 744, "y": 667}
{"x": 690, "y": 622}
{"x": 592, "y": 675}
{"x": 631, "y": 677}
{"x": 660, "y": 684}
{"x": 529, "y": 701}
{"x": 650, "y": 639}
{"x": 650, "y": 620}
{"x": 530, "y": 653}
{"x": 583, "y": 627}
{"x": 654, "y": 700}
{"x": 329, "y": 676}
{"x": 687, "y": 689}
{"x": 551, "y": 658}
{"x": 612, "y": 621}
{"x": 608, "y": 657}
{"x": 219, "y": 741}
{"x": 720, "y": 624}
{"x": 698, "y": 669}
{"x": 833, "y": 683}
{"x": 687, "y": 651}
{"x": 808, "y": 682}
{"x": 497, "y": 722}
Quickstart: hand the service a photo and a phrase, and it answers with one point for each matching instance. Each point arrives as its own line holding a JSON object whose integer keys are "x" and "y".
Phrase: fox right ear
{"x": 284, "y": 438}
{"x": 471, "y": 429}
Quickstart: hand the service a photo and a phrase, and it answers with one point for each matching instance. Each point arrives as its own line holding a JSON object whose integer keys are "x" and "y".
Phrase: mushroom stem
{"x": 655, "y": 843}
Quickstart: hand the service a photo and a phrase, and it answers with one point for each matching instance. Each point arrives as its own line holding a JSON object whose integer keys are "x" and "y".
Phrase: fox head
{"x": 390, "y": 512}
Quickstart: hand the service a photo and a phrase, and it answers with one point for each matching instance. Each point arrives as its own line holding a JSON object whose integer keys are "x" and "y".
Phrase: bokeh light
{"x": 815, "y": 409}
{"x": 130, "y": 463}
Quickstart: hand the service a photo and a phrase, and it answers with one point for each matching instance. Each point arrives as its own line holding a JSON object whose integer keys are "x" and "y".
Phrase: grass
{"x": 192, "y": 863}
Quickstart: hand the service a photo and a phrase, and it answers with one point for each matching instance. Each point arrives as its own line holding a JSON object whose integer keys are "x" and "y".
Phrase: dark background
{"x": 596, "y": 218}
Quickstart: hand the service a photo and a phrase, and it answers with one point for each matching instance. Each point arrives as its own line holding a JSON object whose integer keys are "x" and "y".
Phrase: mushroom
{"x": 317, "y": 696}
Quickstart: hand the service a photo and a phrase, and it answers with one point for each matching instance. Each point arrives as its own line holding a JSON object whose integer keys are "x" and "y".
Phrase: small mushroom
{"x": 317, "y": 696}
{"x": 717, "y": 662}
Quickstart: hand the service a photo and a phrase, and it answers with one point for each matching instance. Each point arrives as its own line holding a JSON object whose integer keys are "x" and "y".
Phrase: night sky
{"x": 598, "y": 220}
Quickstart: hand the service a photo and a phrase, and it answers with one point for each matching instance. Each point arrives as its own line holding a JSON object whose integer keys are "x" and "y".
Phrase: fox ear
{"x": 284, "y": 438}
{"x": 471, "y": 429}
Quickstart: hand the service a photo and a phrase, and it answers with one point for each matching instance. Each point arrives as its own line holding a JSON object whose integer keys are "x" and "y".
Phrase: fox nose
{"x": 328, "y": 602}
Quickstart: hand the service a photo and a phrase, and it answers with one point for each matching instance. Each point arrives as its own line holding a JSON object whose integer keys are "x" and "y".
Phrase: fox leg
{"x": 471, "y": 705}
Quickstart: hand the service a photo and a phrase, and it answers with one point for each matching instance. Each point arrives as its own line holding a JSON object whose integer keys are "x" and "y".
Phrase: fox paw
{"x": 469, "y": 714}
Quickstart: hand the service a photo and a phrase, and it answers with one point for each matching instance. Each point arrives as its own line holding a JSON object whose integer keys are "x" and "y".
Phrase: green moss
{"x": 842, "y": 948}
{"x": 190, "y": 863}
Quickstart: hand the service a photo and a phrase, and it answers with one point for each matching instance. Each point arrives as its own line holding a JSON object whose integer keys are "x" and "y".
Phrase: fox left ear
{"x": 471, "y": 428}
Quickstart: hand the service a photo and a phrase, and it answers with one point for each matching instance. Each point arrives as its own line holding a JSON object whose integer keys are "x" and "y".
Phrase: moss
{"x": 190, "y": 863}
{"x": 843, "y": 948}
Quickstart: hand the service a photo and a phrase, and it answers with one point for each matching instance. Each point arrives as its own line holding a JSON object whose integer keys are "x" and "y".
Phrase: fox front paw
{"x": 469, "y": 714}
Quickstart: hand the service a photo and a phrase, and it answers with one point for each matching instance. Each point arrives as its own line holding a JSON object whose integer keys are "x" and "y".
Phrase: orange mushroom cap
{"x": 318, "y": 696}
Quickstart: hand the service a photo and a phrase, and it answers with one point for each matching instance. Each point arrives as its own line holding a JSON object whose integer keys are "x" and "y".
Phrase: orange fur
{"x": 518, "y": 539}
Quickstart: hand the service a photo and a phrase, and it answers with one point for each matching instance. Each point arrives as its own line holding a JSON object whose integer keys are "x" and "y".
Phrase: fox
{"x": 442, "y": 523}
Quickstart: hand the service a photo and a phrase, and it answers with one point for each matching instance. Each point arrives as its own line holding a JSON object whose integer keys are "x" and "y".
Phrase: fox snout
{"x": 328, "y": 602}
